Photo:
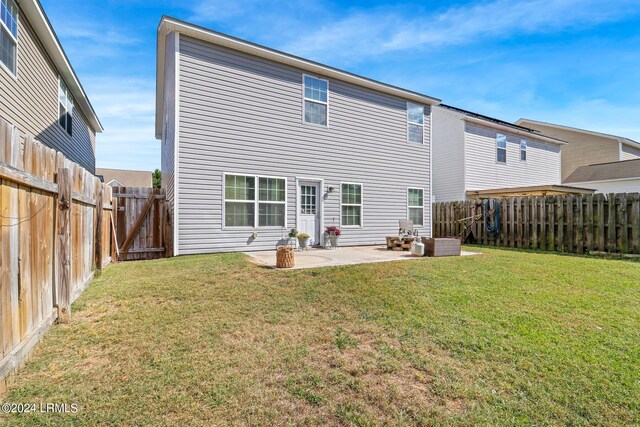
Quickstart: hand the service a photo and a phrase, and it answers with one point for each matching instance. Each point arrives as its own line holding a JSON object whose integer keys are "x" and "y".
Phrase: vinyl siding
{"x": 613, "y": 186}
{"x": 582, "y": 149}
{"x": 242, "y": 114}
{"x": 483, "y": 172}
{"x": 30, "y": 101}
{"x": 448, "y": 155}
{"x": 629, "y": 153}
{"x": 167, "y": 150}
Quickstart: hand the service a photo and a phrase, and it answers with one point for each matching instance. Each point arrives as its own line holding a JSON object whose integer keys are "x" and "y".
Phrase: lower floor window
{"x": 242, "y": 201}
{"x": 271, "y": 215}
{"x": 351, "y": 214}
{"x": 239, "y": 214}
{"x": 415, "y": 205}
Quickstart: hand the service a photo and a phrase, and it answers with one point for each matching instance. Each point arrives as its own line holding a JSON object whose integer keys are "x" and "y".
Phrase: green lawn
{"x": 505, "y": 338}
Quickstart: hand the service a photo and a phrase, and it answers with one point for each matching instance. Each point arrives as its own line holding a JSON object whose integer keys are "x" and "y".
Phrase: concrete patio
{"x": 342, "y": 256}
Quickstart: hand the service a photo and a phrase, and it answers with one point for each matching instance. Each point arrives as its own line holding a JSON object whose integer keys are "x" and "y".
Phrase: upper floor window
{"x": 501, "y": 148}
{"x": 316, "y": 100}
{"x": 523, "y": 150}
{"x": 65, "y": 103}
{"x": 8, "y": 34}
{"x": 415, "y": 122}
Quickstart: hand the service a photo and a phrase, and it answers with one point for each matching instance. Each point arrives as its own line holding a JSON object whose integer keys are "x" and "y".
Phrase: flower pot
{"x": 334, "y": 241}
{"x": 304, "y": 242}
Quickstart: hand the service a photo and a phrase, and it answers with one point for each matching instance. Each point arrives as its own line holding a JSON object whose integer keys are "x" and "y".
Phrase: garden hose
{"x": 492, "y": 217}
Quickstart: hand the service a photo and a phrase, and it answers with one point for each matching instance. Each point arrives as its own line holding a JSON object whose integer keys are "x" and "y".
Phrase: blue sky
{"x": 575, "y": 62}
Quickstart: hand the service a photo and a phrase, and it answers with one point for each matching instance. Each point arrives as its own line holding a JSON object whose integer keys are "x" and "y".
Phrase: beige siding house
{"x": 125, "y": 178}
{"x": 39, "y": 90}
{"x": 585, "y": 147}
{"x": 473, "y": 153}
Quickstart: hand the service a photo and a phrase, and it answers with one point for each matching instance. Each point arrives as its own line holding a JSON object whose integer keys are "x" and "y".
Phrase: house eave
{"x": 513, "y": 130}
{"x": 168, "y": 24}
{"x": 533, "y": 190}
{"x": 620, "y": 139}
{"x": 47, "y": 36}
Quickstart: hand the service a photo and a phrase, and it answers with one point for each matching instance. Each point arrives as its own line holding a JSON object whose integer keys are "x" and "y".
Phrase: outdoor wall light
{"x": 330, "y": 189}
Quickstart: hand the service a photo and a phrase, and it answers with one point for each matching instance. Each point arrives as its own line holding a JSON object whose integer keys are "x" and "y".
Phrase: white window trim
{"x": 73, "y": 106}
{"x": 415, "y": 124}
{"x": 416, "y": 207}
{"x": 256, "y": 219}
{"x": 304, "y": 98}
{"x": 15, "y": 39}
{"x": 361, "y": 205}
{"x": 526, "y": 146}
{"x": 500, "y": 148}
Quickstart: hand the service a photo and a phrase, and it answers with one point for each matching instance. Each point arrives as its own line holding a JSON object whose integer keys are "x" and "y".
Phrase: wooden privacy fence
{"x": 53, "y": 235}
{"x": 142, "y": 222}
{"x": 573, "y": 223}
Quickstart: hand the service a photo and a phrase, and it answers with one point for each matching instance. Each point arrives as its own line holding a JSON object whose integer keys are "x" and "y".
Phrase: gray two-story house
{"x": 40, "y": 92}
{"x": 257, "y": 141}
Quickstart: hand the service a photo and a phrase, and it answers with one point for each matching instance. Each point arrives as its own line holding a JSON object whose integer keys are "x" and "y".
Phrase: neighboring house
{"x": 39, "y": 90}
{"x": 125, "y": 178}
{"x": 475, "y": 155}
{"x": 585, "y": 147}
{"x": 257, "y": 141}
{"x": 613, "y": 177}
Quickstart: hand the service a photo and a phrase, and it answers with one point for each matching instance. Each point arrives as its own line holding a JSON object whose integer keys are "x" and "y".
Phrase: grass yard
{"x": 506, "y": 338}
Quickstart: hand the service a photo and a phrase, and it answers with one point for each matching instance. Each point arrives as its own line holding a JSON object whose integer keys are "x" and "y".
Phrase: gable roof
{"x": 34, "y": 13}
{"x": 126, "y": 178}
{"x": 492, "y": 122}
{"x": 621, "y": 139}
{"x": 169, "y": 24}
{"x": 606, "y": 171}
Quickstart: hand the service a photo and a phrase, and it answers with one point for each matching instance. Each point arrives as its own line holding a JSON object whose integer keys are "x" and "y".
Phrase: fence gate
{"x": 142, "y": 223}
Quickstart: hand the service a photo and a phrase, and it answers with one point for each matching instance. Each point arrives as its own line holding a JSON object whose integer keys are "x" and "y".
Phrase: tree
{"x": 156, "y": 176}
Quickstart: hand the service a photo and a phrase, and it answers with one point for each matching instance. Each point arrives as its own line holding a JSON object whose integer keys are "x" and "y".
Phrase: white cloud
{"x": 598, "y": 115}
{"x": 378, "y": 31}
{"x": 251, "y": 10}
{"x": 128, "y": 116}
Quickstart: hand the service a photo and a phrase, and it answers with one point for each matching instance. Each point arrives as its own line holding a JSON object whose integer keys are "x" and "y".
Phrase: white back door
{"x": 309, "y": 210}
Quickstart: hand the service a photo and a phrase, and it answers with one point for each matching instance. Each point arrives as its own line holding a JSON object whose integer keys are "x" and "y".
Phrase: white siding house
{"x": 256, "y": 142}
{"x": 614, "y": 177}
{"x": 473, "y": 152}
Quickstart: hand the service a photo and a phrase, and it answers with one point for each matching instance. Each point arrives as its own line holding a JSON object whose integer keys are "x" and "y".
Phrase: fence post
{"x": 63, "y": 245}
{"x": 168, "y": 230}
{"x": 98, "y": 231}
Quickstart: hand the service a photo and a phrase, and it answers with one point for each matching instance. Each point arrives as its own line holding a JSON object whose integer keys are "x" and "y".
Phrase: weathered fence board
{"x": 43, "y": 268}
{"x": 575, "y": 224}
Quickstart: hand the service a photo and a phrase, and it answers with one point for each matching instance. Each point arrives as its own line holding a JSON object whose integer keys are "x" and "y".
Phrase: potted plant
{"x": 334, "y": 233}
{"x": 303, "y": 240}
{"x": 293, "y": 233}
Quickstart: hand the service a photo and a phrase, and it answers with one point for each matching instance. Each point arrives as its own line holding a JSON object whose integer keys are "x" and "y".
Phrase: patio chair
{"x": 406, "y": 225}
